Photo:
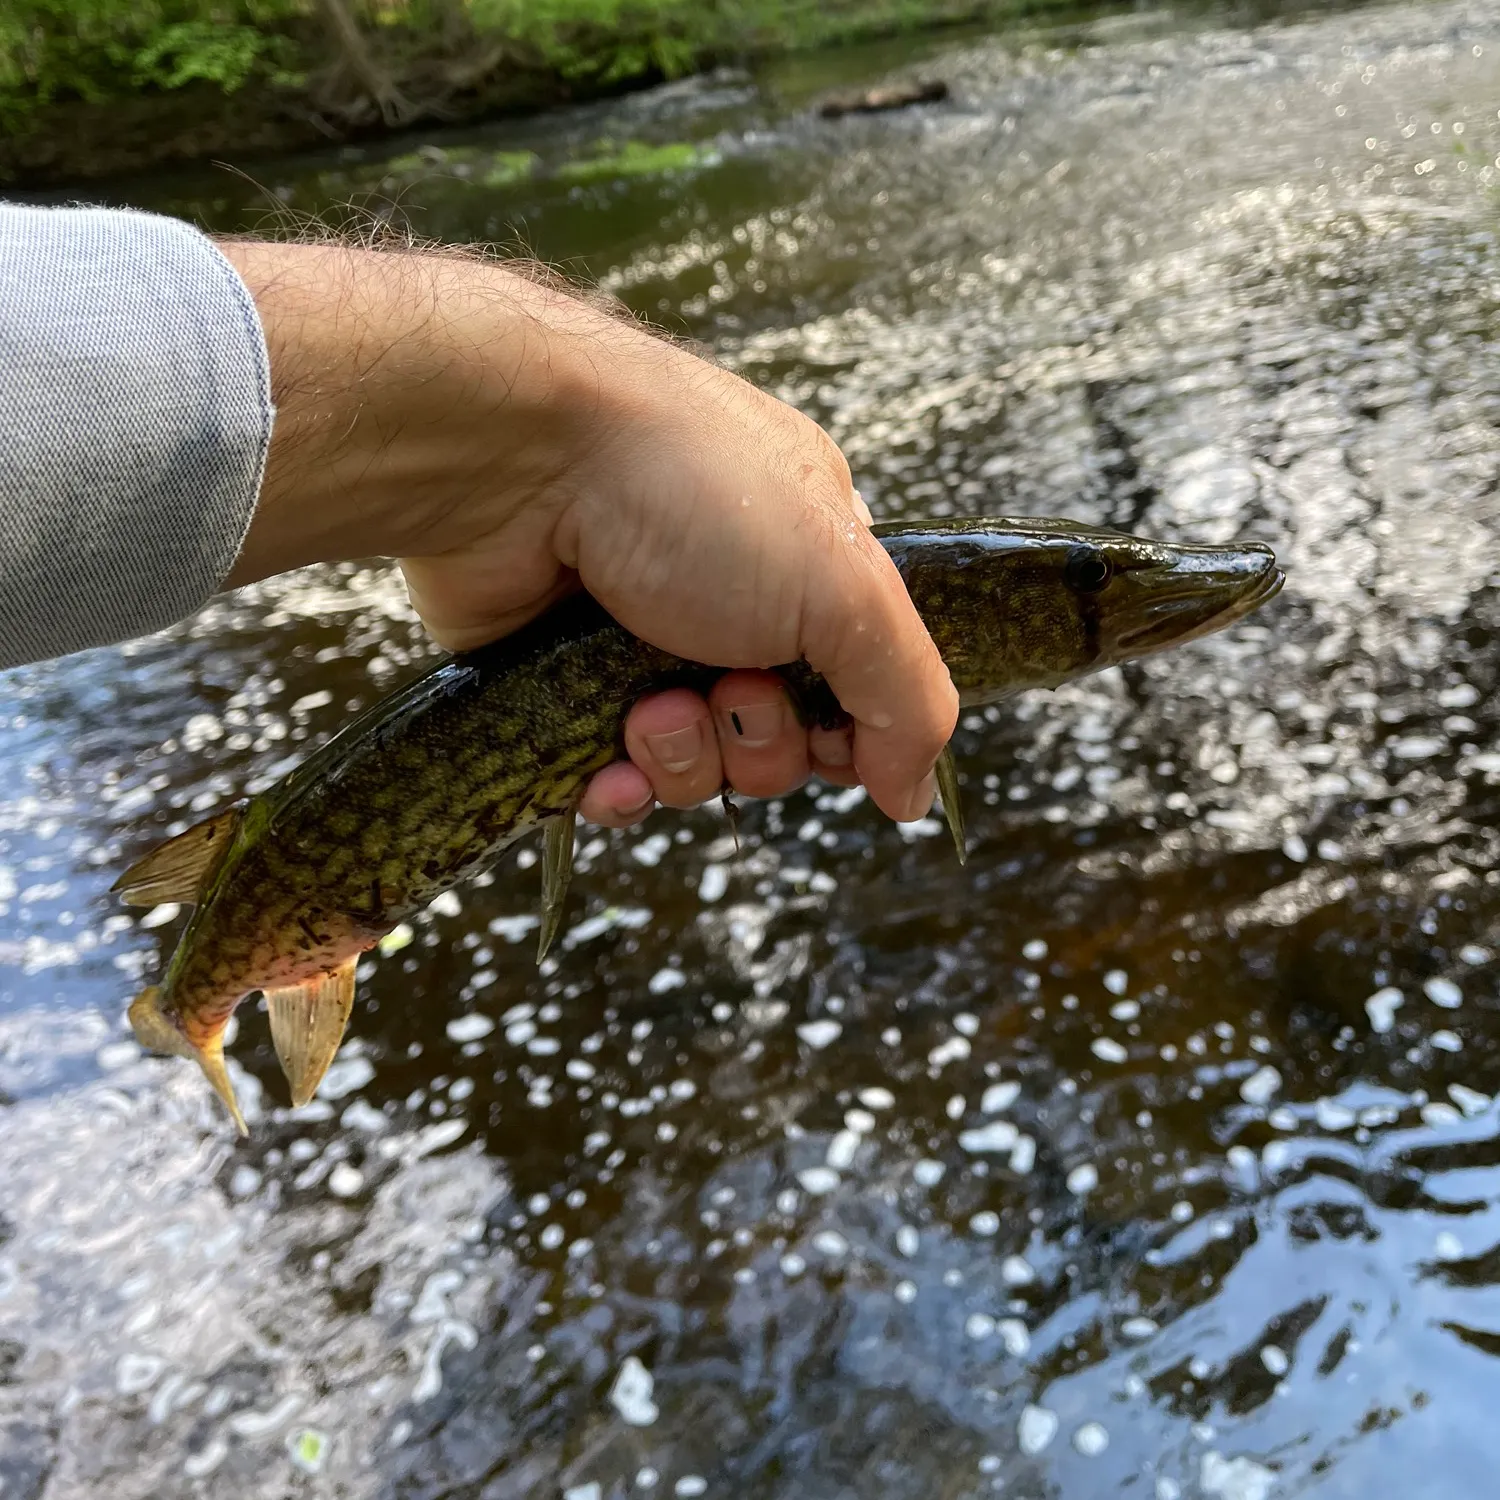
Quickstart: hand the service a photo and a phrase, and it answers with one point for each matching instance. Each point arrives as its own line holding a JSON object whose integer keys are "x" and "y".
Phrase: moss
{"x": 506, "y": 168}
{"x": 634, "y": 159}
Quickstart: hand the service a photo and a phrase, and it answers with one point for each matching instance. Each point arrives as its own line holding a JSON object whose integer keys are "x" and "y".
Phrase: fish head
{"x": 1015, "y": 604}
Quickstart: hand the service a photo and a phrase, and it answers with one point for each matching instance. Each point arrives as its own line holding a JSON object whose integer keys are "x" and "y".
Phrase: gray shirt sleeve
{"x": 135, "y": 415}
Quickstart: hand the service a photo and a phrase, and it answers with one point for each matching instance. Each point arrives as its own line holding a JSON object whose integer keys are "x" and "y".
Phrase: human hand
{"x": 508, "y": 441}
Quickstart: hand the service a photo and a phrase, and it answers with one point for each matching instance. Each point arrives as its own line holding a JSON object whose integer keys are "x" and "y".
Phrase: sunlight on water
{"x": 1152, "y": 1154}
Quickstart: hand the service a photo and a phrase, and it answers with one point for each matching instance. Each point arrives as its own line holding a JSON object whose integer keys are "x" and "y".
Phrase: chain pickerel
{"x": 430, "y": 785}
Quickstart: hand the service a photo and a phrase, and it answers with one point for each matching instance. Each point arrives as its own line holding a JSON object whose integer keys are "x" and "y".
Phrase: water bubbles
{"x": 136, "y": 1373}
{"x": 1447, "y": 1246}
{"x": 650, "y": 850}
{"x": 1444, "y": 993}
{"x": 997, "y": 1135}
{"x": 1107, "y": 1049}
{"x": 985, "y": 1223}
{"x": 1116, "y": 981}
{"x": 1016, "y": 1270}
{"x": 631, "y": 1394}
{"x": 818, "y": 1181}
{"x": 1036, "y": 1429}
{"x": 1382, "y": 1008}
{"x": 1470, "y": 1101}
{"x": 469, "y": 1028}
{"x": 1083, "y": 1179}
{"x": 842, "y": 1150}
{"x": 819, "y": 1034}
{"x": 1261, "y": 1086}
{"x": 954, "y": 1049}
{"x": 1275, "y": 1360}
{"x": 927, "y": 1173}
{"x": 1091, "y": 1439}
{"x": 344, "y": 1181}
{"x": 1235, "y": 1478}
{"x": 999, "y": 1097}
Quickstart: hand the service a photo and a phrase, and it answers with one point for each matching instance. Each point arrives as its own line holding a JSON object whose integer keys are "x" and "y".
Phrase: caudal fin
{"x": 156, "y": 1029}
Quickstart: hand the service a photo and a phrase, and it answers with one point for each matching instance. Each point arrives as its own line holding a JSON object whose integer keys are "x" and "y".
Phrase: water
{"x": 1154, "y": 1154}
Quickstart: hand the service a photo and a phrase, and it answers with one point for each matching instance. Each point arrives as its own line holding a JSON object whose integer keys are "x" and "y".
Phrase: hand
{"x": 508, "y": 441}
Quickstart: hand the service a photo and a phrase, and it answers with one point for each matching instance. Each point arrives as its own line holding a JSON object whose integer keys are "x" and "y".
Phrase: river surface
{"x": 1155, "y": 1154}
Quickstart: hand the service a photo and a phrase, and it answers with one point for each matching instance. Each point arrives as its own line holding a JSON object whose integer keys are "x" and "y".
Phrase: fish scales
{"x": 434, "y": 782}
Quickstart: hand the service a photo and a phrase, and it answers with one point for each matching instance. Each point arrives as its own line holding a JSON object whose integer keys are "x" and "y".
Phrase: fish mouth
{"x": 1214, "y": 591}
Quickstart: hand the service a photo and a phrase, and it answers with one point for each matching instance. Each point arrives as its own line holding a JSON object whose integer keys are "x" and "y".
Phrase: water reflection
{"x": 1152, "y": 1154}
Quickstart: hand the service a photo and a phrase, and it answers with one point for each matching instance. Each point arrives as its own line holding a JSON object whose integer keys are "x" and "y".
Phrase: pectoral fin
{"x": 179, "y": 869}
{"x": 308, "y": 1022}
{"x": 947, "y": 780}
{"x": 557, "y": 871}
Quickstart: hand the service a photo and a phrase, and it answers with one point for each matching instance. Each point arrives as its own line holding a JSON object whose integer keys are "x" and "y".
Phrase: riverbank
{"x": 152, "y": 86}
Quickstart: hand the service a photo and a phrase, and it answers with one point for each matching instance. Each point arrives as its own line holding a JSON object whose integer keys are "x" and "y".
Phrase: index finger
{"x": 862, "y": 632}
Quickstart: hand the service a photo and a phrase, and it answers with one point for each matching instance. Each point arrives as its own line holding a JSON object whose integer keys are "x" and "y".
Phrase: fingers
{"x": 683, "y": 749}
{"x": 763, "y": 746}
{"x": 617, "y": 797}
{"x": 862, "y": 632}
{"x": 832, "y": 755}
{"x": 670, "y": 738}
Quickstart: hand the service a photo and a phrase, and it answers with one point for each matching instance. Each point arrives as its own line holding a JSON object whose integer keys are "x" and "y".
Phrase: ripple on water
{"x": 1149, "y": 1153}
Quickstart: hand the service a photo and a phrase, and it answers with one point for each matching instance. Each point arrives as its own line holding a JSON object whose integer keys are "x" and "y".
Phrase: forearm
{"x": 412, "y": 390}
{"x": 136, "y": 406}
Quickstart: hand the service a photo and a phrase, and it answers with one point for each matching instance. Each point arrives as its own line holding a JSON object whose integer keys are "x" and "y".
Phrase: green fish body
{"x": 437, "y": 780}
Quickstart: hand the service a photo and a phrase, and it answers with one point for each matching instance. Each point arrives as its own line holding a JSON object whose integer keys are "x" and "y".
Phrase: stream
{"x": 1154, "y": 1154}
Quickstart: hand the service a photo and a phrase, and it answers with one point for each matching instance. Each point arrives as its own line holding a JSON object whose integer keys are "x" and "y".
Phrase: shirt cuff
{"x": 135, "y": 417}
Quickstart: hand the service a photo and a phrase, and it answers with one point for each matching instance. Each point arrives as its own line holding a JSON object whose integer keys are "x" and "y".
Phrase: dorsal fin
{"x": 179, "y": 869}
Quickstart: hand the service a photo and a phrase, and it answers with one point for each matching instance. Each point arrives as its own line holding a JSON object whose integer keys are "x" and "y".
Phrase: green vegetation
{"x": 186, "y": 77}
{"x": 633, "y": 159}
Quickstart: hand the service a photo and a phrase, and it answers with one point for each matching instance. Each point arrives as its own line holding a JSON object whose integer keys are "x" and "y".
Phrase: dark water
{"x": 1109, "y": 1165}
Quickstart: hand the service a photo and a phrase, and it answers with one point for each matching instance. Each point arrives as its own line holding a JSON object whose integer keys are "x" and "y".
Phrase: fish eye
{"x": 1086, "y": 570}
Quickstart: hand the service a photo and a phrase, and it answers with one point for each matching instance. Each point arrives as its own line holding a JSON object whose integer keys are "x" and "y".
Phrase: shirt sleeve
{"x": 135, "y": 416}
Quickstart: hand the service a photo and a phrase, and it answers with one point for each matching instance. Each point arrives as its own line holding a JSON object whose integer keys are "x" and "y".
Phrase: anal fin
{"x": 179, "y": 869}
{"x": 947, "y": 780}
{"x": 557, "y": 872}
{"x": 308, "y": 1022}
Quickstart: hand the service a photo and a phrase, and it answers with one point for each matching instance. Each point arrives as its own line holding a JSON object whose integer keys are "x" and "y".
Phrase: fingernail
{"x": 862, "y": 510}
{"x": 922, "y": 799}
{"x": 643, "y": 806}
{"x": 677, "y": 750}
{"x": 835, "y": 750}
{"x": 756, "y": 724}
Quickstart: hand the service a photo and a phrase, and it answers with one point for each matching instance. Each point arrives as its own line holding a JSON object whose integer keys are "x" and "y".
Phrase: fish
{"x": 433, "y": 783}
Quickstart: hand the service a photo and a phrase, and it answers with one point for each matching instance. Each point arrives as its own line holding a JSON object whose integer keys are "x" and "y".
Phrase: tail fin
{"x": 155, "y": 1028}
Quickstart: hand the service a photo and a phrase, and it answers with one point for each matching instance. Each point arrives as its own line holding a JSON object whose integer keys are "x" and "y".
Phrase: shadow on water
{"x": 1152, "y": 1155}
